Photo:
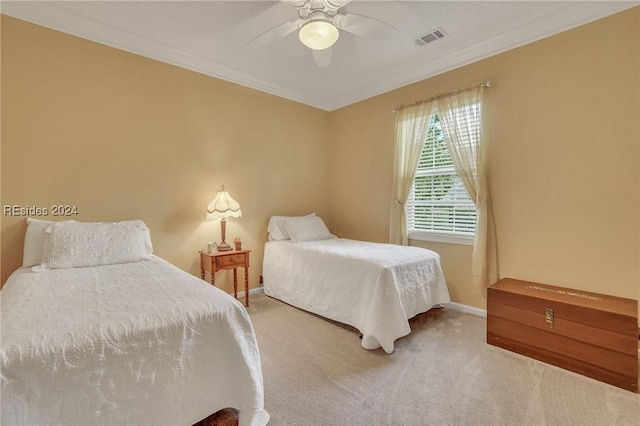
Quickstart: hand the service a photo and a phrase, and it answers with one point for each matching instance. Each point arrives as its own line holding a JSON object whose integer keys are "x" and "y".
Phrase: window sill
{"x": 441, "y": 237}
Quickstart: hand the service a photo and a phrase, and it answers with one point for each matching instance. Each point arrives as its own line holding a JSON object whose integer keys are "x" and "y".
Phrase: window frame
{"x": 431, "y": 235}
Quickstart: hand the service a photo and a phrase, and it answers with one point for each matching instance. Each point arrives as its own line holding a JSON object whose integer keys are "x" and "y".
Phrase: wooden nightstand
{"x": 213, "y": 262}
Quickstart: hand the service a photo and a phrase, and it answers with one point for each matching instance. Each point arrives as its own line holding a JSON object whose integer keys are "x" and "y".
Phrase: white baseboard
{"x": 464, "y": 308}
{"x": 255, "y": 290}
{"x": 453, "y": 305}
{"x": 251, "y": 291}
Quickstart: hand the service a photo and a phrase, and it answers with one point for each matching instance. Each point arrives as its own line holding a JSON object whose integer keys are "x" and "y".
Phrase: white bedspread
{"x": 371, "y": 286}
{"x": 140, "y": 343}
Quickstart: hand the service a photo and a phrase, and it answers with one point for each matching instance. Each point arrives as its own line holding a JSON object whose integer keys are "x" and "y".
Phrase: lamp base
{"x": 223, "y": 246}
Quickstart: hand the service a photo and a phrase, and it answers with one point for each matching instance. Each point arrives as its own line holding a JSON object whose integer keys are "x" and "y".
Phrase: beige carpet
{"x": 443, "y": 373}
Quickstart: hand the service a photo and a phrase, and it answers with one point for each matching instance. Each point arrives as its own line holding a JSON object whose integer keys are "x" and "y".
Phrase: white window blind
{"x": 438, "y": 207}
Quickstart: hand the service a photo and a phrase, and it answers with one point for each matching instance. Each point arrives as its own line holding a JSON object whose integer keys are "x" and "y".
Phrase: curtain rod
{"x": 483, "y": 85}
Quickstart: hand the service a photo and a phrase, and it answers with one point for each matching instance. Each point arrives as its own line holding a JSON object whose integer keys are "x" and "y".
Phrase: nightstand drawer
{"x": 233, "y": 260}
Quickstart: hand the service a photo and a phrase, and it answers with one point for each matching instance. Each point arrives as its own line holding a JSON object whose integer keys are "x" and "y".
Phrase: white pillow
{"x": 306, "y": 228}
{"x": 34, "y": 241}
{"x": 79, "y": 244}
{"x": 276, "y": 227}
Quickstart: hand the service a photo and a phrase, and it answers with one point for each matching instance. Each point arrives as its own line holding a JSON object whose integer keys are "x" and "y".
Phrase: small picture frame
{"x": 212, "y": 247}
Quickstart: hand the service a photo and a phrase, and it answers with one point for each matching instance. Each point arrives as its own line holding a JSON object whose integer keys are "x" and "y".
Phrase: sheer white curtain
{"x": 461, "y": 119}
{"x": 412, "y": 125}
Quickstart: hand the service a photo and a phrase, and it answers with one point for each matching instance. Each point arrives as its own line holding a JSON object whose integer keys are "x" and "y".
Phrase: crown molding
{"x": 533, "y": 31}
{"x": 50, "y": 16}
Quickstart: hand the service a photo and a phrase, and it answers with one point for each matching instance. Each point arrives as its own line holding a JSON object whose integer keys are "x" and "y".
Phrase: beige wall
{"x": 564, "y": 135}
{"x": 123, "y": 137}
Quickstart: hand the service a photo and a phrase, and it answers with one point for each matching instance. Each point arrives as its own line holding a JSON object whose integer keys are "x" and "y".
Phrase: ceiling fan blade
{"x": 295, "y": 3}
{"x": 364, "y": 26}
{"x": 322, "y": 57}
{"x": 275, "y": 33}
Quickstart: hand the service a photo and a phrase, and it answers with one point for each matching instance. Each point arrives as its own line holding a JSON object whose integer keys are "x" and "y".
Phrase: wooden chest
{"x": 587, "y": 333}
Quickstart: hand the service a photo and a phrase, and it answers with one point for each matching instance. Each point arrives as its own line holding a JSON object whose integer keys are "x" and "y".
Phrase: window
{"x": 438, "y": 208}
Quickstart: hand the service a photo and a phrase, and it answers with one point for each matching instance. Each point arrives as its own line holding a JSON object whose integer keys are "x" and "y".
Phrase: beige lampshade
{"x": 223, "y": 206}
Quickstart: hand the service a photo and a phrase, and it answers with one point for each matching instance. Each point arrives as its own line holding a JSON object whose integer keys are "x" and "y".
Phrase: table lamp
{"x": 222, "y": 207}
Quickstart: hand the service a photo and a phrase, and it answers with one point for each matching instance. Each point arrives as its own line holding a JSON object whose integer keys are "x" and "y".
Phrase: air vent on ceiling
{"x": 434, "y": 35}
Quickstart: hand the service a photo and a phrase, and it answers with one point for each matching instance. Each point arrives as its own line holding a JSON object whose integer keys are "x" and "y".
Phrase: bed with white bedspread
{"x": 131, "y": 343}
{"x": 373, "y": 287}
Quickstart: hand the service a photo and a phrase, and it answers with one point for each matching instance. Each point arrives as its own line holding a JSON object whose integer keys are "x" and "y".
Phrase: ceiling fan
{"x": 319, "y": 22}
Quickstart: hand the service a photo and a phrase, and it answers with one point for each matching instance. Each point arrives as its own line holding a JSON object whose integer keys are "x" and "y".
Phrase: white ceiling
{"x": 210, "y": 37}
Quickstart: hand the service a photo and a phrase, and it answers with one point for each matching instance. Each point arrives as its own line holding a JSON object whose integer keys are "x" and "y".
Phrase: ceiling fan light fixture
{"x": 318, "y": 34}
